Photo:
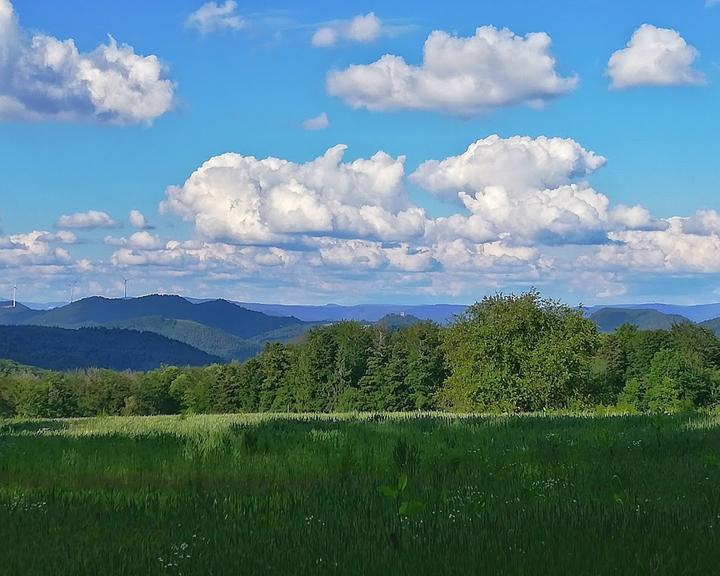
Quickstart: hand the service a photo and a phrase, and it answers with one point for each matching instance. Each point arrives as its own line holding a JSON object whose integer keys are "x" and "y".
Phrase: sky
{"x": 359, "y": 152}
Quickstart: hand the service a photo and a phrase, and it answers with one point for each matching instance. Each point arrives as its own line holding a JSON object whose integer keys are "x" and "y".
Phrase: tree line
{"x": 507, "y": 353}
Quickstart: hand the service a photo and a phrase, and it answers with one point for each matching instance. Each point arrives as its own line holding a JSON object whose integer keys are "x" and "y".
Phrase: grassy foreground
{"x": 211, "y": 495}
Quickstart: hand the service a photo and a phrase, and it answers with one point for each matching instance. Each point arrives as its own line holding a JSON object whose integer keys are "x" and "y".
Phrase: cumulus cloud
{"x": 42, "y": 77}
{"x": 461, "y": 76}
{"x": 523, "y": 188}
{"x": 518, "y": 163}
{"x": 90, "y": 220}
{"x": 361, "y": 28}
{"x": 317, "y": 123}
{"x": 138, "y": 221}
{"x": 33, "y": 248}
{"x": 272, "y": 201}
{"x": 460, "y": 254}
{"x": 214, "y": 17}
{"x": 368, "y": 255}
{"x": 654, "y": 57}
{"x": 703, "y": 223}
{"x": 525, "y": 215}
{"x": 138, "y": 241}
{"x": 669, "y": 250}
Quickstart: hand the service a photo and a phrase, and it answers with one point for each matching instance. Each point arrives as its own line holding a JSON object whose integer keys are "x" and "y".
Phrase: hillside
{"x": 694, "y": 313}
{"x": 17, "y": 315}
{"x": 62, "y": 349}
{"x": 440, "y": 313}
{"x": 712, "y": 325}
{"x": 213, "y": 341}
{"x": 98, "y": 311}
{"x": 392, "y": 321}
{"x": 610, "y": 319}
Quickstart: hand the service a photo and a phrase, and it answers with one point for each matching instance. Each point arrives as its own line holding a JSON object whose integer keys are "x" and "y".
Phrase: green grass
{"x": 258, "y": 494}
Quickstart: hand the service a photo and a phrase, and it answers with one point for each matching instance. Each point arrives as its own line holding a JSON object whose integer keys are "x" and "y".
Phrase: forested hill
{"x": 61, "y": 349}
{"x": 610, "y": 319}
{"x": 96, "y": 311}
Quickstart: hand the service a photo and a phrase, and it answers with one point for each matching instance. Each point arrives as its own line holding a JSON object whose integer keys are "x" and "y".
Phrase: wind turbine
{"x": 125, "y": 282}
{"x": 72, "y": 286}
{"x": 14, "y": 304}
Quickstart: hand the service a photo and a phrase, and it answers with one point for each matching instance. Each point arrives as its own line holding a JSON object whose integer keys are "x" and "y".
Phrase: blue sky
{"x": 245, "y": 84}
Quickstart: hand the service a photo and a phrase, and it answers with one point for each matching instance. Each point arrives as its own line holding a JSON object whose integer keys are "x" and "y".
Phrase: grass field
{"x": 212, "y": 495}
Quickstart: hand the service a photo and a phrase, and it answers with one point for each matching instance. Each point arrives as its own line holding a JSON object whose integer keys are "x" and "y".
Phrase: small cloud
{"x": 363, "y": 28}
{"x": 654, "y": 57}
{"x": 325, "y": 37}
{"x": 317, "y": 123}
{"x": 90, "y": 220}
{"x": 213, "y": 17}
{"x": 137, "y": 220}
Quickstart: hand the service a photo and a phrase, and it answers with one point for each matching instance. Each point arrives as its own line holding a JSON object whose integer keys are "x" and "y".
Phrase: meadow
{"x": 360, "y": 494}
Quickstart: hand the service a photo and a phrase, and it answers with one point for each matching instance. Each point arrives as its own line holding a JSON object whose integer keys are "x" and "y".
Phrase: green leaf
{"x": 411, "y": 508}
{"x": 388, "y": 492}
{"x": 402, "y": 482}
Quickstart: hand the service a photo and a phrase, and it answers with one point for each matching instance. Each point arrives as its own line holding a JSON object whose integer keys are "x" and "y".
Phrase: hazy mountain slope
{"x": 62, "y": 349}
{"x": 441, "y": 313}
{"x": 284, "y": 335}
{"x": 712, "y": 325}
{"x": 697, "y": 313}
{"x": 610, "y": 319}
{"x": 216, "y": 314}
{"x": 18, "y": 315}
{"x": 392, "y": 321}
{"x": 210, "y": 340}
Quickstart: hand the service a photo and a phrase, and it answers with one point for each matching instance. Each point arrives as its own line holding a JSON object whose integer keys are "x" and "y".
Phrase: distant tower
{"x": 125, "y": 283}
{"x": 14, "y": 304}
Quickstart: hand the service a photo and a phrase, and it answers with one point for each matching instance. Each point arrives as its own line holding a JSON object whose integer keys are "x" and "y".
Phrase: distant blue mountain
{"x": 610, "y": 319}
{"x": 697, "y": 313}
{"x": 440, "y": 313}
{"x": 96, "y": 311}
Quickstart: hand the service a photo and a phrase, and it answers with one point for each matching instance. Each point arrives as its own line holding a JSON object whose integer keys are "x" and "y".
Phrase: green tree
{"x": 517, "y": 353}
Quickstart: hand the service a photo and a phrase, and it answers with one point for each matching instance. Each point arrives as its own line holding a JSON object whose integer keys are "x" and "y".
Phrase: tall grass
{"x": 268, "y": 494}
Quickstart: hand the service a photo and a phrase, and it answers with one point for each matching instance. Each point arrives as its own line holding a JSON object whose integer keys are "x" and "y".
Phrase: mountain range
{"x": 214, "y": 330}
{"x": 146, "y": 332}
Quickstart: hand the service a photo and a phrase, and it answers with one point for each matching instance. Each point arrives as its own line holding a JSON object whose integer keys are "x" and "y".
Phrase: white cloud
{"x": 519, "y": 163}
{"x": 42, "y": 77}
{"x": 32, "y": 249}
{"x": 361, "y": 28}
{"x": 272, "y": 201}
{"x": 138, "y": 221}
{"x": 524, "y": 188}
{"x": 86, "y": 220}
{"x": 317, "y": 123}
{"x": 215, "y": 17}
{"x": 703, "y": 222}
{"x": 670, "y": 250}
{"x": 459, "y": 254}
{"x": 367, "y": 255}
{"x": 654, "y": 57}
{"x": 137, "y": 241}
{"x": 461, "y": 76}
